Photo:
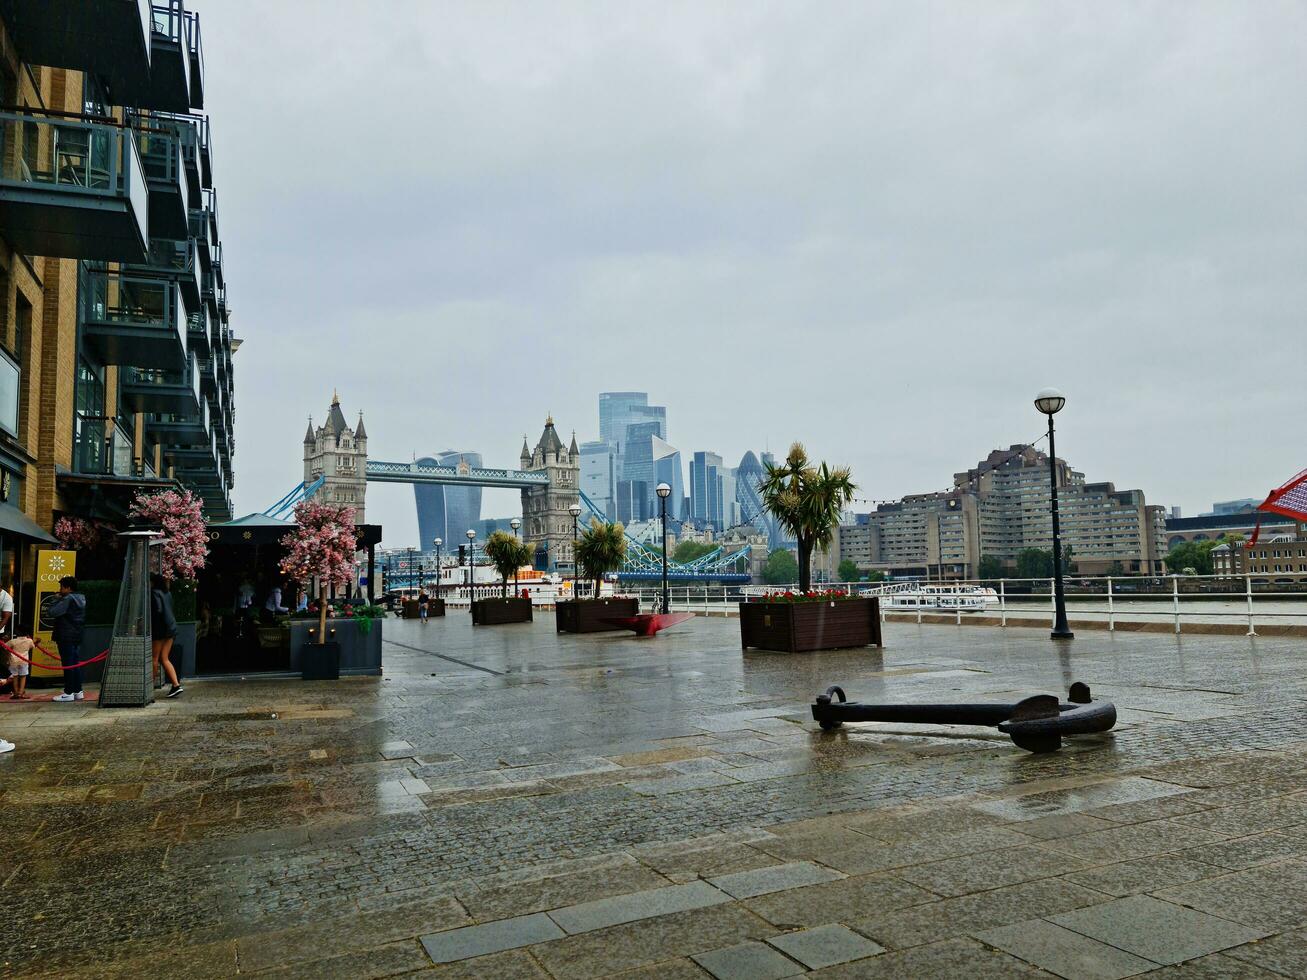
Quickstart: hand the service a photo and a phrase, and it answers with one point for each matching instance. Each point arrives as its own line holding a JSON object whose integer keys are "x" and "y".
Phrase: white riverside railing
{"x": 1115, "y": 601}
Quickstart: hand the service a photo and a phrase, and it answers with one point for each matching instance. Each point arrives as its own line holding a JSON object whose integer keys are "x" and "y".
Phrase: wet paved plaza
{"x": 513, "y": 803}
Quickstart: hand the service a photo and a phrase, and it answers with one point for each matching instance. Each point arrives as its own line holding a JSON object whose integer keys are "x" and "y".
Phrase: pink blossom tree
{"x": 185, "y": 540}
{"x": 322, "y": 546}
{"x": 77, "y": 533}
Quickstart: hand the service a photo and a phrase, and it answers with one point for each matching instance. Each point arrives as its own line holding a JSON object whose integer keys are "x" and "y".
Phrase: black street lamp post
{"x": 1050, "y": 402}
{"x": 409, "y": 569}
{"x": 515, "y": 524}
{"x": 664, "y": 491}
{"x": 437, "y": 542}
{"x": 575, "y": 511}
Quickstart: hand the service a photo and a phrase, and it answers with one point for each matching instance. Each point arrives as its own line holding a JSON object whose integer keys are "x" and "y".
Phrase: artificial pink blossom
{"x": 322, "y": 545}
{"x": 76, "y": 533}
{"x": 181, "y": 516}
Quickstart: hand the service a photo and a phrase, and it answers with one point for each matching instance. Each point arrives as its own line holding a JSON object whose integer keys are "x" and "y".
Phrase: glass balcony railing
{"x": 152, "y": 390}
{"x": 103, "y": 447}
{"x": 168, "y": 179}
{"x": 71, "y": 187}
{"x": 134, "y": 321}
{"x": 197, "y": 333}
{"x": 192, "y": 134}
{"x": 195, "y": 51}
{"x": 177, "y": 261}
{"x": 189, "y": 429}
{"x": 199, "y": 232}
{"x": 170, "y": 68}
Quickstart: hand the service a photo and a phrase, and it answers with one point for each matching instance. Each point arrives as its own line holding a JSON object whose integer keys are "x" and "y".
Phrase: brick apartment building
{"x": 115, "y": 341}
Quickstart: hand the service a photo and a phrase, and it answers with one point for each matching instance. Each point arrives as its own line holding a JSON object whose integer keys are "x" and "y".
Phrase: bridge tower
{"x": 546, "y": 518}
{"x": 340, "y": 454}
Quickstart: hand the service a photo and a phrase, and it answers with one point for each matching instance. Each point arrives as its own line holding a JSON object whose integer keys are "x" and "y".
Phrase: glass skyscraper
{"x": 447, "y": 512}
{"x": 706, "y": 490}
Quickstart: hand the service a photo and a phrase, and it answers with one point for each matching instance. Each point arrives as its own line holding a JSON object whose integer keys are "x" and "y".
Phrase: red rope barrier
{"x": 94, "y": 660}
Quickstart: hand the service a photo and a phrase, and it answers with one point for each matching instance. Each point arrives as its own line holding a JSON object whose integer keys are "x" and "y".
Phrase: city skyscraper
{"x": 447, "y": 512}
{"x": 599, "y": 475}
{"x": 619, "y": 409}
{"x": 706, "y": 489}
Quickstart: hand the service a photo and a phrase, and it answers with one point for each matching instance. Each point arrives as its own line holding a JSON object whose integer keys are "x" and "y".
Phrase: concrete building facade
{"x": 999, "y": 508}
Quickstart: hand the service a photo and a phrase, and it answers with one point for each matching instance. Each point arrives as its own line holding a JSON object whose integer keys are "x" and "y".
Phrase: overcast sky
{"x": 877, "y": 228}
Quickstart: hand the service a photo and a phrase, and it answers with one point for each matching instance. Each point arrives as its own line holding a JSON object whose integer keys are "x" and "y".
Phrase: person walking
{"x": 163, "y": 630}
{"x": 424, "y": 603}
{"x": 68, "y": 616}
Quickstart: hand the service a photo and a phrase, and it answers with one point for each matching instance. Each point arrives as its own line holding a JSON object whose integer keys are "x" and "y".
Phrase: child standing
{"x": 22, "y": 644}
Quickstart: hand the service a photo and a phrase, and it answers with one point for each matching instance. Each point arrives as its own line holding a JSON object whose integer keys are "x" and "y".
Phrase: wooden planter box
{"x": 588, "y": 615}
{"x": 494, "y": 612}
{"x": 799, "y": 627}
{"x": 409, "y": 607}
{"x": 359, "y": 652}
{"x": 436, "y": 607}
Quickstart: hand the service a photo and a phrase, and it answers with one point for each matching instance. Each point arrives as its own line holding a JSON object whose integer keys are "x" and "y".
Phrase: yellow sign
{"x": 51, "y": 566}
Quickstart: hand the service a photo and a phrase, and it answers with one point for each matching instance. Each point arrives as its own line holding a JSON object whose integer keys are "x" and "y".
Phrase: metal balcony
{"x": 189, "y": 131}
{"x": 198, "y": 222}
{"x": 170, "y": 68}
{"x": 218, "y": 277}
{"x": 176, "y": 261}
{"x": 195, "y": 59}
{"x": 197, "y": 335}
{"x": 174, "y": 392}
{"x": 103, "y": 447}
{"x": 72, "y": 188}
{"x": 130, "y": 320}
{"x": 107, "y": 37}
{"x": 168, "y": 179}
{"x": 181, "y": 429}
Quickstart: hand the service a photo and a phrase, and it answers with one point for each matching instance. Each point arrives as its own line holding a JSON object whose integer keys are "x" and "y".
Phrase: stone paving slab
{"x": 778, "y": 878}
{"x": 492, "y": 937}
{"x": 1065, "y": 953}
{"x": 747, "y": 961}
{"x": 828, "y": 945}
{"x": 604, "y": 912}
{"x": 1156, "y": 930}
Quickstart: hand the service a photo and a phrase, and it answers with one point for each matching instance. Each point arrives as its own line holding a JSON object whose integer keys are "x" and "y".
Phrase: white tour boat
{"x": 916, "y": 596}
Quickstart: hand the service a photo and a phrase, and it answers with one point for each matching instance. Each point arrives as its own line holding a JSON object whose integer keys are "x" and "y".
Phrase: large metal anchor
{"x": 1035, "y": 724}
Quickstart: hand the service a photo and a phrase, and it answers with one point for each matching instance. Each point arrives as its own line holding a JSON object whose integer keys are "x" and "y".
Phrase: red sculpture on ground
{"x": 647, "y": 624}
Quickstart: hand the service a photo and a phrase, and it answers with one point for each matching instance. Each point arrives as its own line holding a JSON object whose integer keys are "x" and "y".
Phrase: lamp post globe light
{"x": 437, "y": 542}
{"x": 575, "y": 511}
{"x": 515, "y": 524}
{"x": 1050, "y": 402}
{"x": 471, "y": 551}
{"x": 664, "y": 491}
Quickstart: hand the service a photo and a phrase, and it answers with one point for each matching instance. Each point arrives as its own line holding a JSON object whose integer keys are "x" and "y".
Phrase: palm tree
{"x": 600, "y": 550}
{"x": 806, "y": 501}
{"x": 507, "y": 553}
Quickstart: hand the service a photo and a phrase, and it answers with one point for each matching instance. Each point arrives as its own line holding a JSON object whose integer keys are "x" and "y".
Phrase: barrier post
{"x": 1052, "y": 597}
{"x": 1175, "y": 599}
{"x": 1111, "y": 613}
{"x": 1248, "y": 584}
{"x": 1002, "y": 601}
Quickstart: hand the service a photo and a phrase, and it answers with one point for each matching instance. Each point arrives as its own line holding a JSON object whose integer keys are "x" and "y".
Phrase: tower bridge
{"x": 337, "y": 471}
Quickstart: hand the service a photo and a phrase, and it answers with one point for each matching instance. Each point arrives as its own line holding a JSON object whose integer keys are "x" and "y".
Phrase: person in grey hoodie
{"x": 68, "y": 614}
{"x": 163, "y": 630}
